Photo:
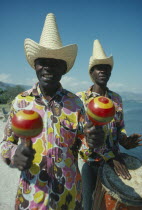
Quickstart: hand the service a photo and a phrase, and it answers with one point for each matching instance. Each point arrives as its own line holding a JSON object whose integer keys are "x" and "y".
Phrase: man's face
{"x": 49, "y": 70}
{"x": 101, "y": 74}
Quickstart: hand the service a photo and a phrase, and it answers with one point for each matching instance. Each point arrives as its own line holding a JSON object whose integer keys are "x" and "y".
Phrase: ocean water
{"x": 133, "y": 116}
{"x": 133, "y": 123}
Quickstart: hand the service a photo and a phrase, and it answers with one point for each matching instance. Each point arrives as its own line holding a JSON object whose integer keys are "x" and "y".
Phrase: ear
{"x": 35, "y": 63}
{"x": 91, "y": 70}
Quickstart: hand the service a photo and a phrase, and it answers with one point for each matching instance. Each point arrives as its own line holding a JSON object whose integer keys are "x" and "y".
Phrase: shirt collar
{"x": 41, "y": 99}
{"x": 90, "y": 94}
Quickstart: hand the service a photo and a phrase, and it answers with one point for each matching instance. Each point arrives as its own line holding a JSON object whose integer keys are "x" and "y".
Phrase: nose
{"x": 103, "y": 71}
{"x": 47, "y": 68}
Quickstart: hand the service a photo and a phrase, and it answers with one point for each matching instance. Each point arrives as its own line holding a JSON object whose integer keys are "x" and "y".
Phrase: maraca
{"x": 100, "y": 110}
{"x": 27, "y": 124}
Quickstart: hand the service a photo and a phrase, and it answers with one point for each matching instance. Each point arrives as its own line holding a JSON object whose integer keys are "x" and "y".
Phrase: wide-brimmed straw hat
{"x": 99, "y": 56}
{"x": 50, "y": 45}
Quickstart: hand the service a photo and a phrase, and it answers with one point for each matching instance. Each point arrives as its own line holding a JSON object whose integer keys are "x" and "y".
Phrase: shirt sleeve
{"x": 9, "y": 142}
{"x": 114, "y": 131}
{"x": 121, "y": 132}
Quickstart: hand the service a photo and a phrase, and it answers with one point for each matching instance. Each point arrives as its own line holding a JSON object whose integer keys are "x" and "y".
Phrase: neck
{"x": 49, "y": 91}
{"x": 99, "y": 90}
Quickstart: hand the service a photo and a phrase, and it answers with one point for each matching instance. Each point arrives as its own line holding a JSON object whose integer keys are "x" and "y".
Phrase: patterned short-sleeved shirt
{"x": 53, "y": 181}
{"x": 113, "y": 131}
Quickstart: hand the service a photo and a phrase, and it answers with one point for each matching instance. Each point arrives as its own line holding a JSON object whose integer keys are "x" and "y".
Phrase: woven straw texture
{"x": 50, "y": 45}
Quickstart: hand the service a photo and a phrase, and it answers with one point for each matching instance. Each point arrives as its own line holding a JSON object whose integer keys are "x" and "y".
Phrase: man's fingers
{"x": 93, "y": 130}
{"x": 91, "y": 125}
{"x": 125, "y": 172}
{"x": 116, "y": 171}
{"x": 90, "y": 145}
{"x": 27, "y": 151}
{"x": 120, "y": 168}
{"x": 90, "y": 130}
{"x": 88, "y": 125}
{"x": 139, "y": 140}
{"x": 138, "y": 135}
{"x": 135, "y": 135}
{"x": 96, "y": 137}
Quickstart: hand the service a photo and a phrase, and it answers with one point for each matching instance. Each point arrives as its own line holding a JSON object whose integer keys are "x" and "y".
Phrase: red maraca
{"x": 27, "y": 124}
{"x": 101, "y": 110}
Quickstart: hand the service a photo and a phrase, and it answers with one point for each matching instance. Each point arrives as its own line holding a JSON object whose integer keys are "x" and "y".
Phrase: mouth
{"x": 103, "y": 77}
{"x": 47, "y": 77}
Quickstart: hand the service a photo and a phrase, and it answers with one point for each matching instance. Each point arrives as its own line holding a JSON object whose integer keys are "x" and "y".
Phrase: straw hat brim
{"x": 34, "y": 50}
{"x": 93, "y": 61}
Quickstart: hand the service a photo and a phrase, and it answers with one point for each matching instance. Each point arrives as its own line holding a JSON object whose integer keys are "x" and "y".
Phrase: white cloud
{"x": 30, "y": 81}
{"x": 5, "y": 78}
{"x": 74, "y": 84}
{"x": 117, "y": 86}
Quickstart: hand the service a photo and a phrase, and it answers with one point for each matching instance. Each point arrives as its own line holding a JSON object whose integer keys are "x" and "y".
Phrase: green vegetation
{"x": 9, "y": 93}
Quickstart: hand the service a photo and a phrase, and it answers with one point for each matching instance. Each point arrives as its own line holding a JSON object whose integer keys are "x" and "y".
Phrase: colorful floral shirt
{"x": 53, "y": 181}
{"x": 113, "y": 131}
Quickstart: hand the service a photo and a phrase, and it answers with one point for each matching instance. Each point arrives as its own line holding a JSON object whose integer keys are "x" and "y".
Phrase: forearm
{"x": 103, "y": 152}
{"x": 9, "y": 143}
{"x": 7, "y": 152}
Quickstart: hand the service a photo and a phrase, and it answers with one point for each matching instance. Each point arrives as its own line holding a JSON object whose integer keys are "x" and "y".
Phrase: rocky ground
{"x": 8, "y": 181}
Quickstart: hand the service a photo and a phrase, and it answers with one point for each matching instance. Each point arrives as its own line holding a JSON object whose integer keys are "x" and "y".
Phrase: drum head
{"x": 128, "y": 192}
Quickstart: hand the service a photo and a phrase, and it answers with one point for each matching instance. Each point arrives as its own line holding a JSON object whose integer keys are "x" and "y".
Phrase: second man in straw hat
{"x": 104, "y": 142}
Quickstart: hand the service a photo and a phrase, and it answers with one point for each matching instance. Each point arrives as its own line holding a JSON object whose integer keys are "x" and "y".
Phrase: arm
{"x": 117, "y": 163}
{"x": 9, "y": 143}
{"x": 14, "y": 154}
{"x": 92, "y": 142}
{"x": 96, "y": 138}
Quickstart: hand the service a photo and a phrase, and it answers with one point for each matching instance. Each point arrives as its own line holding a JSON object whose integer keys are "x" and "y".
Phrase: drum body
{"x": 114, "y": 193}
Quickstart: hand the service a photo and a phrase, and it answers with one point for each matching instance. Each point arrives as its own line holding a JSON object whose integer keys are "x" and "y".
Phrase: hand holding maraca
{"x": 26, "y": 124}
{"x": 94, "y": 135}
{"x": 23, "y": 157}
{"x": 100, "y": 111}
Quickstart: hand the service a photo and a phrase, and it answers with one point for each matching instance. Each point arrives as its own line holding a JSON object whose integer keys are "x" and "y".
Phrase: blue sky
{"x": 116, "y": 23}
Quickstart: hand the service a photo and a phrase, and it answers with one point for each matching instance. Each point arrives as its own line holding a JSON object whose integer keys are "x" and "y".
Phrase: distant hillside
{"x": 125, "y": 95}
{"x": 4, "y": 85}
{"x": 131, "y": 96}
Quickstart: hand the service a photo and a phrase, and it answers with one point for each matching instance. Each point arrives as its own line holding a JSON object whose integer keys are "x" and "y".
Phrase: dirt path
{"x": 8, "y": 181}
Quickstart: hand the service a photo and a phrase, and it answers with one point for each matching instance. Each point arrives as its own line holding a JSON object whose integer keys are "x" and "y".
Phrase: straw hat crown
{"x": 50, "y": 45}
{"x": 98, "y": 51}
{"x": 99, "y": 56}
{"x": 50, "y": 36}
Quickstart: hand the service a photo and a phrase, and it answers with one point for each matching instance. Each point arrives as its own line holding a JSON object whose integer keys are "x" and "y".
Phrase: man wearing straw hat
{"x": 50, "y": 178}
{"x": 100, "y": 68}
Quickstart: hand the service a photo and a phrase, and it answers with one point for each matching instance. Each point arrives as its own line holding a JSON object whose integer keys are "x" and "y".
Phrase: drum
{"x": 113, "y": 192}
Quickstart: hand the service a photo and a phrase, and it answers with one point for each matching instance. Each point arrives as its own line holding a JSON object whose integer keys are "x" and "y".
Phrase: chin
{"x": 49, "y": 83}
{"x": 104, "y": 82}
